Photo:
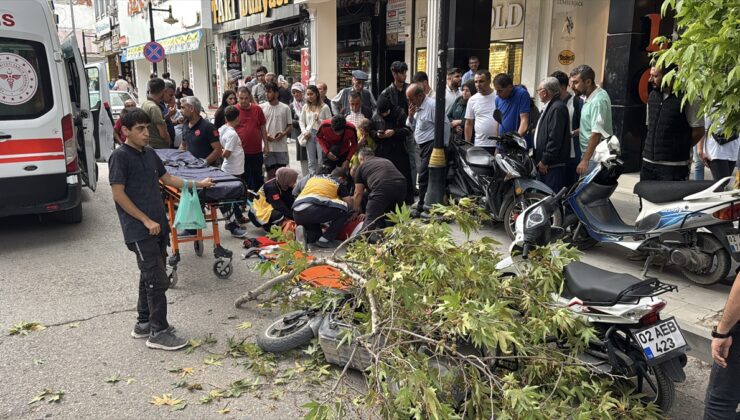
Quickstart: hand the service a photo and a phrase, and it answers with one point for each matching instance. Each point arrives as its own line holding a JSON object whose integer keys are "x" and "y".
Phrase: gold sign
{"x": 223, "y": 10}
{"x": 566, "y": 57}
{"x": 253, "y": 7}
{"x": 421, "y": 59}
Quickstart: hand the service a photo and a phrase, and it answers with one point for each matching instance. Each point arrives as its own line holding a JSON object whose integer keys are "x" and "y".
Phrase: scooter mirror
{"x": 498, "y": 116}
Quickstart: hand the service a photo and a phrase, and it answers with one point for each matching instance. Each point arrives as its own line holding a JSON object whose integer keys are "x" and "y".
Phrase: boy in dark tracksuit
{"x": 135, "y": 170}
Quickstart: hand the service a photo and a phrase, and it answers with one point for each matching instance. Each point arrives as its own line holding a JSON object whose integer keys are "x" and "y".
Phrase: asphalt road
{"x": 80, "y": 281}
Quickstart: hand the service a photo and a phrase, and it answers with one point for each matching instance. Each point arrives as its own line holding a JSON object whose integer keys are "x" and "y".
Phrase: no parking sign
{"x": 154, "y": 52}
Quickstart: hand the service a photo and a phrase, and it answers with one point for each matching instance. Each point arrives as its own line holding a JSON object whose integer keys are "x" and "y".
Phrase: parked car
{"x": 117, "y": 98}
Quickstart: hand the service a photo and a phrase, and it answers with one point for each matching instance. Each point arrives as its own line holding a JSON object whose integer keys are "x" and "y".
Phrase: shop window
{"x": 506, "y": 57}
{"x": 292, "y": 64}
{"x": 421, "y": 59}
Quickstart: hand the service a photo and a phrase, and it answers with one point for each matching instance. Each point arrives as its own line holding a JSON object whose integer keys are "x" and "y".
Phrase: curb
{"x": 698, "y": 340}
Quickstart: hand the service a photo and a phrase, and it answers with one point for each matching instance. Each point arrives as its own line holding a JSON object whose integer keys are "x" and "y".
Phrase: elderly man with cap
{"x": 340, "y": 103}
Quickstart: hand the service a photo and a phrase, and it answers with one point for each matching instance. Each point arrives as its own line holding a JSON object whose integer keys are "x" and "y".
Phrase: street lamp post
{"x": 169, "y": 20}
{"x": 84, "y": 44}
{"x": 438, "y": 162}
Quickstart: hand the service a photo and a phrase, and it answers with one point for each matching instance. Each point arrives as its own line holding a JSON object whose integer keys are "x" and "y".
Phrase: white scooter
{"x": 632, "y": 341}
{"x": 687, "y": 223}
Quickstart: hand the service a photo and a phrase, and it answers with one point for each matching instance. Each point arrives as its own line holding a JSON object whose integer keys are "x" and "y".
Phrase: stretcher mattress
{"x": 185, "y": 165}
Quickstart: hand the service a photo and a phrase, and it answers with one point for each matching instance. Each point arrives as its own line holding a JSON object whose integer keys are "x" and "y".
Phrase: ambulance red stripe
{"x": 28, "y": 146}
{"x": 30, "y": 159}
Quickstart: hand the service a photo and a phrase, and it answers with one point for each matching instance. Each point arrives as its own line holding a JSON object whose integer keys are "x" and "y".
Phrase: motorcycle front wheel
{"x": 288, "y": 332}
{"x": 517, "y": 205}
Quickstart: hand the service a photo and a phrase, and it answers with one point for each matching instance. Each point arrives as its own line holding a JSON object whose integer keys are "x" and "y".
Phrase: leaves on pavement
{"x": 48, "y": 395}
{"x": 166, "y": 400}
{"x": 244, "y": 325}
{"x": 23, "y": 328}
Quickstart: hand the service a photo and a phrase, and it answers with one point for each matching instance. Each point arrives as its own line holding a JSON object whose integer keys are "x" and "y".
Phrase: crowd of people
{"x": 256, "y": 121}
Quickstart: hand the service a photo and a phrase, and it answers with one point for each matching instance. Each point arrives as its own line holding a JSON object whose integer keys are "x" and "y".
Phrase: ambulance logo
{"x": 18, "y": 80}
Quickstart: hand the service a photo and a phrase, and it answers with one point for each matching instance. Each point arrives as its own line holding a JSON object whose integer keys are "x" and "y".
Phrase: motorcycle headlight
{"x": 535, "y": 218}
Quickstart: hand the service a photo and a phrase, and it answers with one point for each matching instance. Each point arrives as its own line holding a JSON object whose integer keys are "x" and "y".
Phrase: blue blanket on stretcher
{"x": 185, "y": 165}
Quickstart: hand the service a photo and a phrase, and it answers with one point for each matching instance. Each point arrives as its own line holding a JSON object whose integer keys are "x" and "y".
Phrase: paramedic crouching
{"x": 322, "y": 199}
{"x": 135, "y": 170}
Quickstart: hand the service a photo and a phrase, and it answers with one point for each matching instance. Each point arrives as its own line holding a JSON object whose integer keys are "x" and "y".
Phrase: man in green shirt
{"x": 159, "y": 138}
{"x": 596, "y": 114}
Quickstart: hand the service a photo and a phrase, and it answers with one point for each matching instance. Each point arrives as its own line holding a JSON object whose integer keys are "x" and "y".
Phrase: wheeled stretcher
{"x": 228, "y": 190}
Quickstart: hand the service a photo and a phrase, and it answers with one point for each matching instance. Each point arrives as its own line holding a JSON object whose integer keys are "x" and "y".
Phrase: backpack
{"x": 251, "y": 48}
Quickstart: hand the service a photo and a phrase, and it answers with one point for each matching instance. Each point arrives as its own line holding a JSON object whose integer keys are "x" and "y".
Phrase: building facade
{"x": 186, "y": 42}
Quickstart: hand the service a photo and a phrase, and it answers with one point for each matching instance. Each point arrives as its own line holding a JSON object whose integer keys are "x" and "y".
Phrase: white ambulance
{"x": 47, "y": 144}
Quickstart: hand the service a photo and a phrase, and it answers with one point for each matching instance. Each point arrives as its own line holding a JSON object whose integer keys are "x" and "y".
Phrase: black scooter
{"x": 505, "y": 183}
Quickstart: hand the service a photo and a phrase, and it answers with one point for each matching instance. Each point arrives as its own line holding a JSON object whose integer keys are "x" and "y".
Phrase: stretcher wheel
{"x": 222, "y": 268}
{"x": 198, "y": 247}
{"x": 173, "y": 278}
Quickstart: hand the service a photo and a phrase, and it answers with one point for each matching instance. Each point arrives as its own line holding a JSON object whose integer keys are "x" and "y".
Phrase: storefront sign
{"x": 566, "y": 57}
{"x": 265, "y": 7}
{"x": 421, "y": 59}
{"x": 643, "y": 85}
{"x": 507, "y": 20}
{"x": 102, "y": 27}
{"x": 189, "y": 41}
{"x": 224, "y": 10}
{"x": 305, "y": 66}
{"x": 135, "y": 6}
{"x": 395, "y": 21}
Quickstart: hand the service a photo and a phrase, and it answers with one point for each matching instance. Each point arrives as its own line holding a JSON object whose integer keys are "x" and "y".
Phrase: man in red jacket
{"x": 253, "y": 136}
{"x": 338, "y": 141}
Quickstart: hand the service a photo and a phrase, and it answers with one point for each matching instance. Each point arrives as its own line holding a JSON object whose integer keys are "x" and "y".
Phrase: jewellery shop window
{"x": 294, "y": 39}
{"x": 506, "y": 57}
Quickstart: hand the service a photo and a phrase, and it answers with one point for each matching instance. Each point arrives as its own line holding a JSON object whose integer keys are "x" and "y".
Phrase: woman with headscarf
{"x": 389, "y": 131}
{"x": 457, "y": 110}
{"x": 184, "y": 90}
{"x": 229, "y": 98}
{"x": 274, "y": 200}
{"x": 297, "y": 104}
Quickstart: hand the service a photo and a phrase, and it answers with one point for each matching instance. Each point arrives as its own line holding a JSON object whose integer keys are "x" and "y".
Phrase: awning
{"x": 188, "y": 41}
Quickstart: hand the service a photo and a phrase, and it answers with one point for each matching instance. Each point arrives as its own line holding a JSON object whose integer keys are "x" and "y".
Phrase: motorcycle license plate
{"x": 734, "y": 241}
{"x": 660, "y": 339}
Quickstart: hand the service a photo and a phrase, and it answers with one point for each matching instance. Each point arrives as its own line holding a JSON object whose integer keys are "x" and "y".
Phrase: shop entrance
{"x": 391, "y": 55}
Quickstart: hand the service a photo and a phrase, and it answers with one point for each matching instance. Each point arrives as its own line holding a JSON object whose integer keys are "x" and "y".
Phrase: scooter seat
{"x": 480, "y": 161}
{"x": 593, "y": 285}
{"x": 478, "y": 156}
{"x": 667, "y": 191}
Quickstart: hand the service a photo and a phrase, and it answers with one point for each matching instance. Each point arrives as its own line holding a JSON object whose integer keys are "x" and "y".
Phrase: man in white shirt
{"x": 121, "y": 84}
{"x": 479, "y": 113}
{"x": 233, "y": 155}
{"x": 421, "y": 120}
{"x": 279, "y": 126}
{"x": 452, "y": 92}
